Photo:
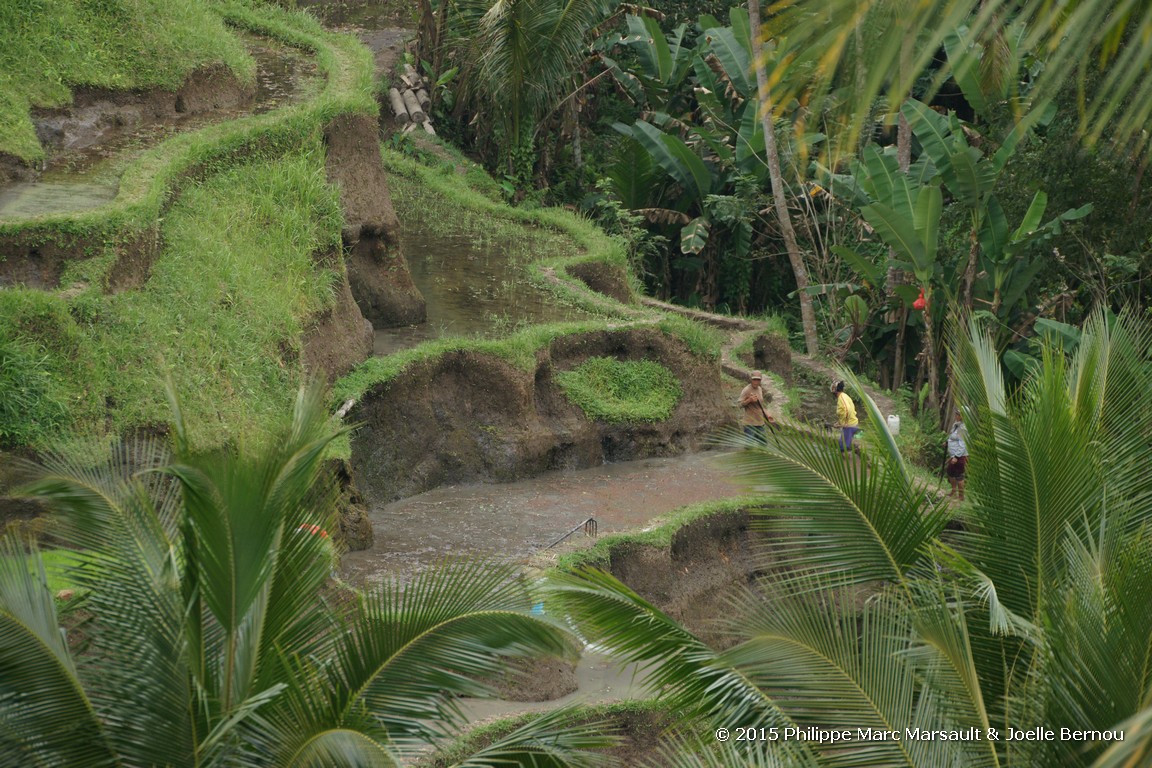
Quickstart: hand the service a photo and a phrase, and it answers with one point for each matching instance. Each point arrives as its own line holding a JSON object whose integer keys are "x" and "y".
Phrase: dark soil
{"x": 339, "y": 338}
{"x": 692, "y": 581}
{"x": 98, "y": 115}
{"x": 603, "y": 278}
{"x": 377, "y": 272}
{"x": 466, "y": 417}
{"x": 36, "y": 256}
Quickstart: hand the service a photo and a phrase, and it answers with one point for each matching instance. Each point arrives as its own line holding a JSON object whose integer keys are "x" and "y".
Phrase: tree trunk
{"x": 807, "y": 313}
{"x": 970, "y": 270}
{"x": 898, "y": 362}
{"x": 933, "y": 400}
{"x": 896, "y": 276}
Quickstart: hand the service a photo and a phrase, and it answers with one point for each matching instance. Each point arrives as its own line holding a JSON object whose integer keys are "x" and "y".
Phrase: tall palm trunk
{"x": 896, "y": 275}
{"x": 799, "y": 269}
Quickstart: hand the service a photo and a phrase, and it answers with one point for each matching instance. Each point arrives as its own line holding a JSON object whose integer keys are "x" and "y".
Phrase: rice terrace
{"x": 575, "y": 383}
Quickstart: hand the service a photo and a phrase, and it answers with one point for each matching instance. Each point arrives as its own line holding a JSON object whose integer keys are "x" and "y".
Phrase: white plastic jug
{"x": 894, "y": 424}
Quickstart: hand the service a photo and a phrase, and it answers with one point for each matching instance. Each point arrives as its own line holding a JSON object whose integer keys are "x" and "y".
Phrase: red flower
{"x": 921, "y": 303}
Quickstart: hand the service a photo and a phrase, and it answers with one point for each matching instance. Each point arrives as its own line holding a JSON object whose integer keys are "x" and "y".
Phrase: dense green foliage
{"x": 53, "y": 46}
{"x": 875, "y": 615}
{"x": 215, "y": 642}
{"x": 613, "y": 390}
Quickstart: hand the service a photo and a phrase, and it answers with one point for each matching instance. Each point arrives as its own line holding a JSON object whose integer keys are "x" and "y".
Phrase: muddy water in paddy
{"x": 472, "y": 287}
{"x": 513, "y": 520}
{"x": 87, "y": 174}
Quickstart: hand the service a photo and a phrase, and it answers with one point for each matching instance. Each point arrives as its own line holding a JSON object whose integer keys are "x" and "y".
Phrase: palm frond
{"x": 36, "y": 667}
{"x": 903, "y": 37}
{"x": 707, "y": 752}
{"x": 340, "y": 746}
{"x": 129, "y": 573}
{"x": 832, "y": 515}
{"x": 1136, "y": 748}
{"x": 414, "y": 647}
{"x": 683, "y": 670}
{"x": 556, "y": 739}
{"x": 1100, "y": 631}
{"x": 832, "y": 663}
{"x": 944, "y": 656}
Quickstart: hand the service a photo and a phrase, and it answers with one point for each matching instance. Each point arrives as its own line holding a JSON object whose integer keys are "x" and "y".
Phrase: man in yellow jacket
{"x": 845, "y": 417}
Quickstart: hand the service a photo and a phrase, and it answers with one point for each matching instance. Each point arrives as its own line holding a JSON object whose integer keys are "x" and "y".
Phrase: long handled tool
{"x": 767, "y": 419}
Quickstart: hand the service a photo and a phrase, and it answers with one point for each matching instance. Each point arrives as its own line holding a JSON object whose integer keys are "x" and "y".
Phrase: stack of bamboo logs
{"x": 409, "y": 100}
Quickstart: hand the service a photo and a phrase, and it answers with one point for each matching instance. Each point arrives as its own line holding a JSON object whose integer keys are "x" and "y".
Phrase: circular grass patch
{"x": 612, "y": 390}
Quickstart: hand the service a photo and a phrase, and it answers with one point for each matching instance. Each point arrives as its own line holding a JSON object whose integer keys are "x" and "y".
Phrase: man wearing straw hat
{"x": 755, "y": 416}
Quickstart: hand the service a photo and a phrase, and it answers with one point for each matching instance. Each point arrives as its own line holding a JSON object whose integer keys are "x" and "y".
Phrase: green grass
{"x": 703, "y": 340}
{"x": 613, "y": 390}
{"x": 52, "y": 46}
{"x": 222, "y": 314}
{"x": 33, "y": 404}
{"x": 57, "y": 562}
{"x": 457, "y": 199}
{"x": 235, "y": 281}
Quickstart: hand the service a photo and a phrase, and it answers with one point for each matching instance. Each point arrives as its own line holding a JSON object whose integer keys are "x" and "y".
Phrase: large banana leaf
{"x": 734, "y": 57}
{"x": 649, "y": 42}
{"x": 965, "y": 172}
{"x": 676, "y": 158}
{"x": 897, "y": 232}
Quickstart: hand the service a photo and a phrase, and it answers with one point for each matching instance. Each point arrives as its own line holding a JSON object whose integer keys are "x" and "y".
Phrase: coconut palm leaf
{"x": 838, "y": 659}
{"x": 1100, "y": 632}
{"x": 1107, "y": 379}
{"x": 554, "y": 739}
{"x": 36, "y": 665}
{"x": 413, "y": 648}
{"x": 831, "y": 517}
{"x": 1038, "y": 465}
{"x": 687, "y": 752}
{"x": 127, "y": 573}
{"x": 1067, "y": 37}
{"x": 687, "y": 673}
{"x": 1136, "y": 748}
{"x": 341, "y": 747}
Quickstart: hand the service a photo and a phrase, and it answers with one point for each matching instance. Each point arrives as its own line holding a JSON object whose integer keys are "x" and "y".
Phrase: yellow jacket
{"x": 846, "y": 411}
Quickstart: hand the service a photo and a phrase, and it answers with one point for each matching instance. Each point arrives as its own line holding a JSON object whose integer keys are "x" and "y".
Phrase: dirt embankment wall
{"x": 692, "y": 579}
{"x": 466, "y": 416}
{"x": 377, "y": 270}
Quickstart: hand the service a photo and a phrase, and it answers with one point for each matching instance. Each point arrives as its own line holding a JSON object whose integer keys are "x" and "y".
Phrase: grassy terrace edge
{"x": 550, "y": 273}
{"x": 149, "y": 182}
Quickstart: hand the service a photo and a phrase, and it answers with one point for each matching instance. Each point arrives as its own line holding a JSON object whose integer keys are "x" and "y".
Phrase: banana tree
{"x": 726, "y": 135}
{"x": 968, "y": 173}
{"x": 665, "y": 62}
{"x": 1005, "y": 266}
{"x": 904, "y": 210}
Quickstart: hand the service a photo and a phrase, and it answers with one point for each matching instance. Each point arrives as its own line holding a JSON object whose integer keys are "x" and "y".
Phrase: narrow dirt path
{"x": 740, "y": 329}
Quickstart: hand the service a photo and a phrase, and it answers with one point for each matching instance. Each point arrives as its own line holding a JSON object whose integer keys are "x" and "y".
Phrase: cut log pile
{"x": 409, "y": 101}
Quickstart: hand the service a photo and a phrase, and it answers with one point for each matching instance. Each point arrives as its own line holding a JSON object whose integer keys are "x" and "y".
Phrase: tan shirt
{"x": 752, "y": 398}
